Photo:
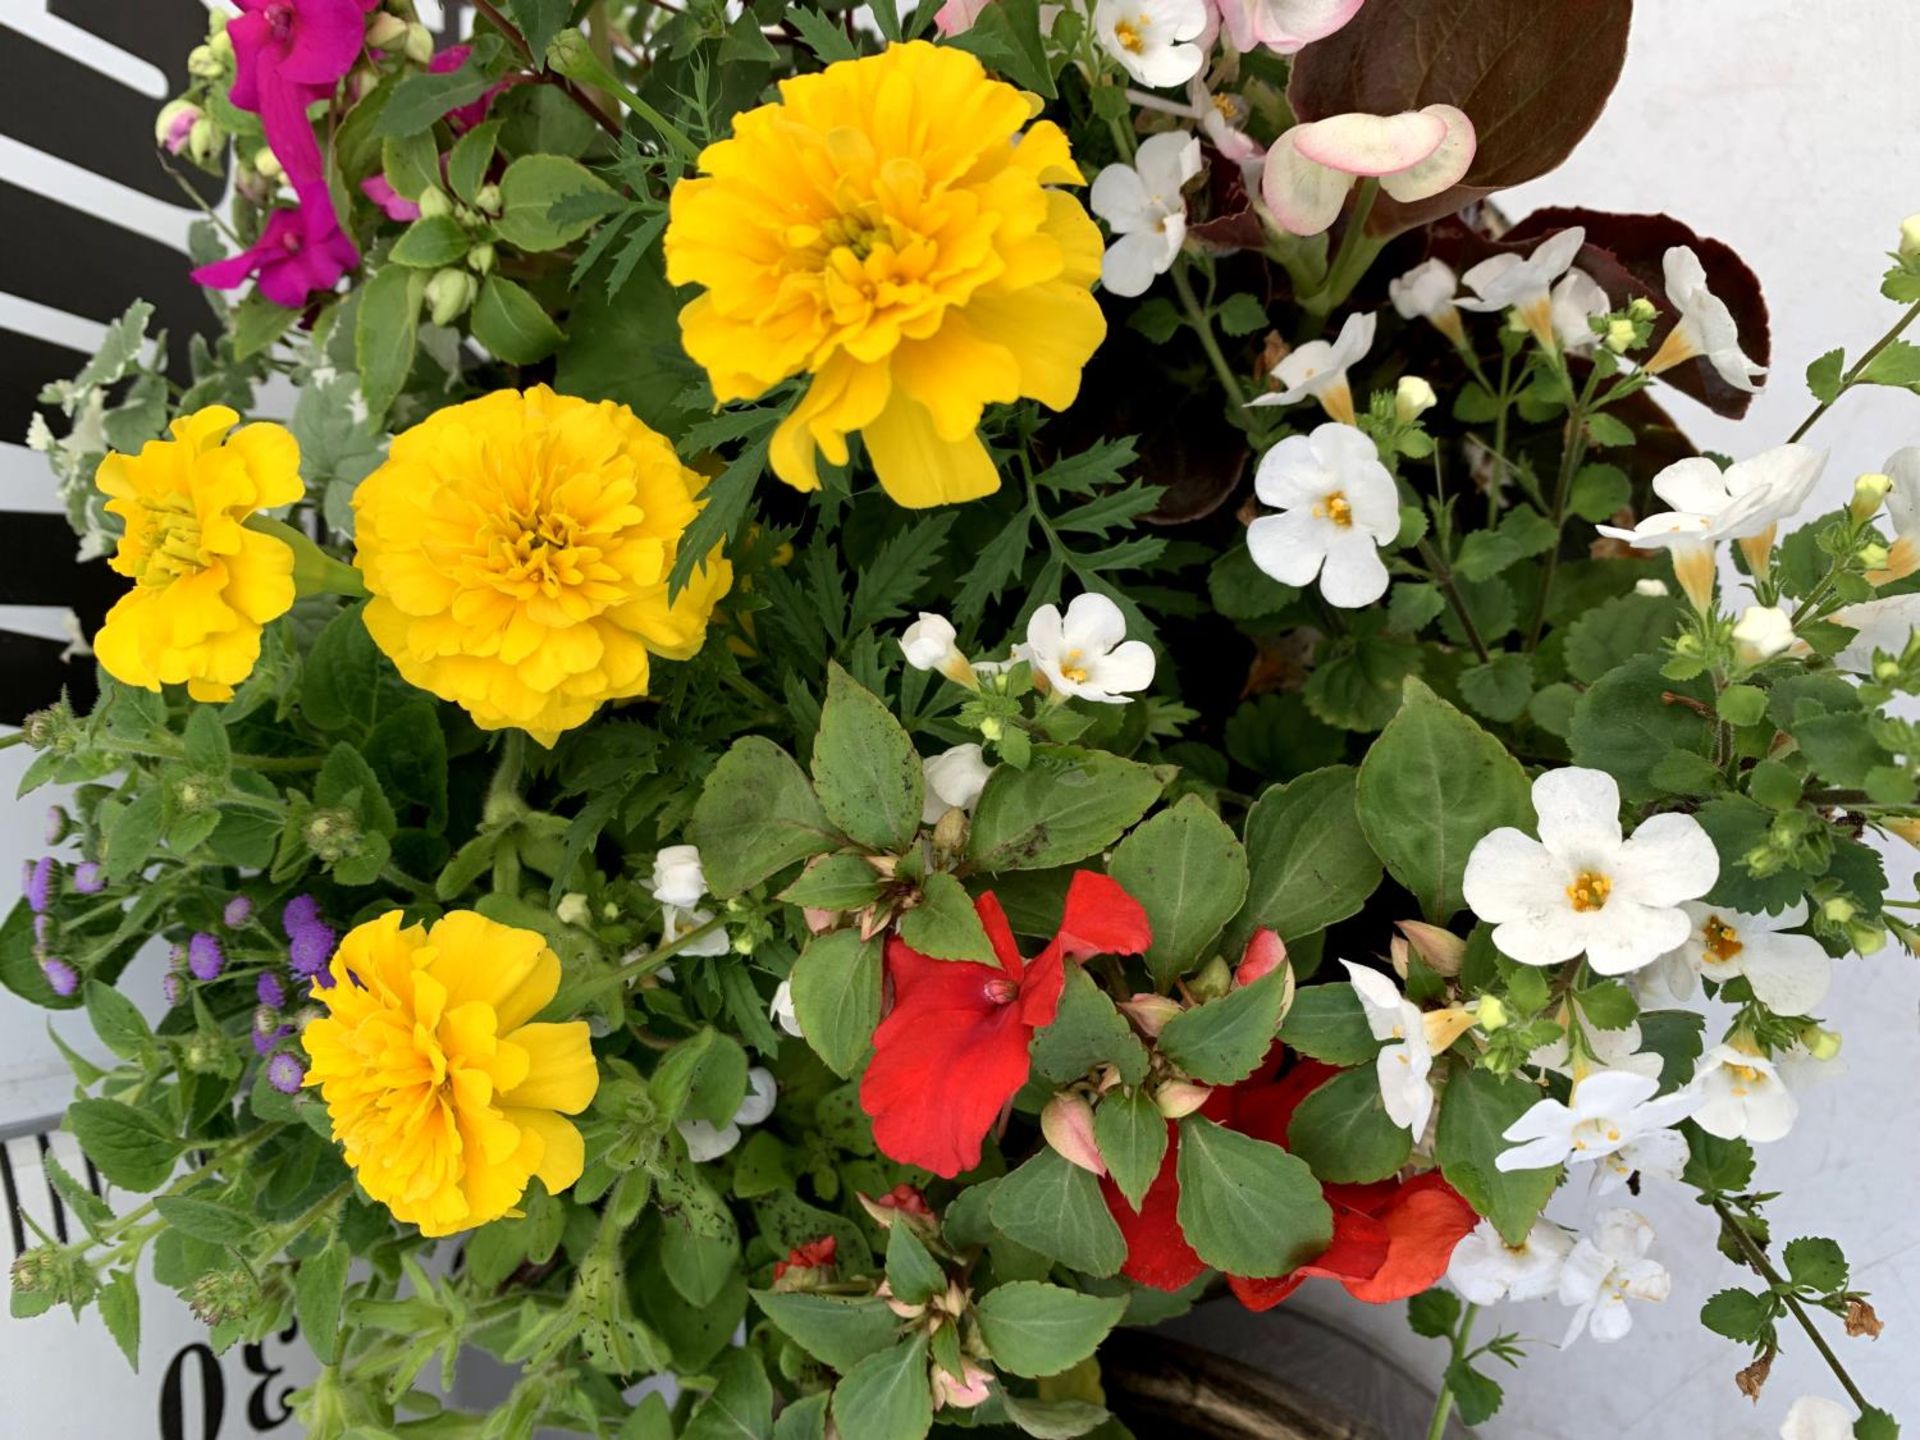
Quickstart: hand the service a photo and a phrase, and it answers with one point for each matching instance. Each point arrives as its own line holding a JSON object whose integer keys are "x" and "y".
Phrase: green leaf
{"x": 1475, "y": 1111}
{"x": 1053, "y": 1206}
{"x": 472, "y": 153}
{"x": 1630, "y": 719}
{"x": 512, "y": 324}
{"x": 93, "y": 1212}
{"x": 126, "y": 1145}
{"x": 805, "y": 1418}
{"x": 836, "y": 997}
{"x": 1521, "y": 533}
{"x": 1087, "y": 1031}
{"x": 1034, "y": 1329}
{"x": 756, "y": 815}
{"x": 1341, "y": 1129}
{"x": 703, "y": 1077}
{"x": 528, "y": 191}
{"x": 1617, "y": 631}
{"x": 1224, "y": 1040}
{"x": 540, "y": 20}
{"x": 1052, "y": 1419}
{"x": 1007, "y": 39}
{"x": 1477, "y": 1397}
{"x": 1824, "y": 376}
{"x": 1606, "y": 431}
{"x": 740, "y": 1406}
{"x": 821, "y": 35}
{"x": 1499, "y": 688}
{"x": 1897, "y": 364}
{"x": 837, "y": 1330}
{"x": 911, "y": 1272}
{"x": 1247, "y": 1207}
{"x": 1609, "y": 1005}
{"x": 886, "y": 1396}
{"x": 1433, "y": 1313}
{"x": 1432, "y": 785}
{"x": 700, "y": 1267}
{"x": 1356, "y": 684}
{"x": 1066, "y": 805}
{"x": 117, "y": 1021}
{"x": 132, "y": 834}
{"x": 865, "y": 770}
{"x": 1132, "y": 1136}
{"x": 319, "y": 1290}
{"x": 1739, "y": 1315}
{"x": 386, "y": 329}
{"x": 835, "y": 882}
{"x": 208, "y": 1220}
{"x": 205, "y": 739}
{"x": 430, "y": 242}
{"x": 1816, "y": 1263}
{"x": 422, "y": 97}
{"x": 944, "y": 925}
{"x": 1599, "y": 491}
{"x": 120, "y": 1309}
{"x": 1187, "y": 869}
{"x": 1310, "y": 863}
{"x": 1328, "y": 1023}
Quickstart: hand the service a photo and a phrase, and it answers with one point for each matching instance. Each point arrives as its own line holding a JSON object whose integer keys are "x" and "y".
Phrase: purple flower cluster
{"x": 205, "y": 958}
{"x": 89, "y": 878}
{"x": 61, "y": 977}
{"x": 37, "y": 881}
{"x": 238, "y": 911}
{"x": 270, "y": 991}
{"x": 310, "y": 939}
{"x": 286, "y": 1074}
{"x": 172, "y": 988}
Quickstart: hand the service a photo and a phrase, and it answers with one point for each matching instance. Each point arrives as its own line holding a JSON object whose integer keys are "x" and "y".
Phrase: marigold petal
{"x": 562, "y": 1074}
{"x": 918, "y": 468}
{"x": 564, "y": 1153}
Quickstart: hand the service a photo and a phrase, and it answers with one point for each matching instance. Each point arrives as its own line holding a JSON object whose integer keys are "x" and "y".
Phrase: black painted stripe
{"x": 12, "y": 1193}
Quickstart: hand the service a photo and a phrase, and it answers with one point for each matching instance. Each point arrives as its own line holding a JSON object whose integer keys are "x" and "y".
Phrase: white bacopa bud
{"x": 1412, "y": 399}
{"x": 1651, "y": 586}
{"x": 1910, "y": 238}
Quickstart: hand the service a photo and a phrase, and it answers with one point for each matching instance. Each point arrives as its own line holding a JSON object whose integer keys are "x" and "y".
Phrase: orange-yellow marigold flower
{"x": 518, "y": 549}
{"x": 204, "y": 584}
{"x": 886, "y": 228}
{"x": 444, "y": 1094}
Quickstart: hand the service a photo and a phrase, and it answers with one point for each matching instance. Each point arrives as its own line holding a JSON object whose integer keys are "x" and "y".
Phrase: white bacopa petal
{"x": 1790, "y": 974}
{"x": 1289, "y": 546}
{"x": 1579, "y": 814}
{"x": 1132, "y": 263}
{"x": 1129, "y": 668}
{"x": 1094, "y": 624}
{"x": 1353, "y": 574}
{"x": 1669, "y": 859}
{"x": 1290, "y": 474}
{"x": 1119, "y": 197}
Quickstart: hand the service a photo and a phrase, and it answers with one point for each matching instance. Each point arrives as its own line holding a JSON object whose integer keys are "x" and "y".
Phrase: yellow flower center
{"x": 170, "y": 545}
{"x": 1589, "y": 891}
{"x": 1721, "y": 939}
{"x": 1590, "y": 1134}
{"x": 1072, "y": 666}
{"x": 1336, "y": 509}
{"x": 1744, "y": 1077}
{"x": 1126, "y": 34}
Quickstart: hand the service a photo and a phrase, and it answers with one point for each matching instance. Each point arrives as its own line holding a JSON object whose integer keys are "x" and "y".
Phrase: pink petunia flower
{"x": 392, "y": 203}
{"x": 301, "y": 252}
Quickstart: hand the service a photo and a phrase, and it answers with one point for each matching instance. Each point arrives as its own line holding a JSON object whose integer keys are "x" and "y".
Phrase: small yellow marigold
{"x": 888, "y": 229}
{"x": 518, "y": 547}
{"x": 444, "y": 1096}
{"x": 204, "y": 584}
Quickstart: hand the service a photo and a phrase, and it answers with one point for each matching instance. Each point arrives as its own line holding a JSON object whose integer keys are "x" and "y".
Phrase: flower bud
{"x": 268, "y": 163}
{"x": 1642, "y": 309}
{"x": 1149, "y": 1013}
{"x": 419, "y": 43}
{"x": 1178, "y": 1098}
{"x": 386, "y": 31}
{"x": 1821, "y": 1044}
{"x": 174, "y": 125}
{"x": 1213, "y": 980}
{"x": 1619, "y": 337}
{"x": 1866, "y": 937}
{"x": 971, "y": 1387}
{"x": 1491, "y": 1013}
{"x": 1873, "y": 555}
{"x": 1438, "y": 946}
{"x": 202, "y": 63}
{"x": 203, "y": 141}
{"x": 449, "y": 293}
{"x": 950, "y": 831}
{"x": 1762, "y": 632}
{"x": 1868, "y": 492}
{"x": 572, "y": 909}
{"x": 59, "y": 825}
{"x": 487, "y": 199}
{"x": 433, "y": 202}
{"x": 1839, "y": 910}
{"x": 569, "y": 54}
{"x": 1651, "y": 586}
{"x": 1910, "y": 238}
{"x": 220, "y": 43}
{"x": 1067, "y": 1122}
{"x": 1265, "y": 953}
{"x": 1412, "y": 399}
{"x": 332, "y": 834}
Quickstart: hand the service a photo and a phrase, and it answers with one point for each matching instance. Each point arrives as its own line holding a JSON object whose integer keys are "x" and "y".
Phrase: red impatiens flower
{"x": 1390, "y": 1240}
{"x": 813, "y": 1255}
{"x": 953, "y": 1051}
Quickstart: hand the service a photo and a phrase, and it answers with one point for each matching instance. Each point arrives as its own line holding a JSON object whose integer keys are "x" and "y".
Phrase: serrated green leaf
{"x": 944, "y": 925}
{"x": 1224, "y": 1040}
{"x": 1342, "y": 1130}
{"x": 837, "y": 1330}
{"x": 1034, "y": 1329}
{"x": 836, "y": 997}
{"x": 1247, "y": 1207}
{"x": 1053, "y": 1206}
{"x": 1132, "y": 1136}
{"x": 1189, "y": 872}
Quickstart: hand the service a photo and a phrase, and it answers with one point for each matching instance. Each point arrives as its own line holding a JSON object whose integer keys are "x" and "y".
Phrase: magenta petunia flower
{"x": 392, "y": 203}
{"x": 294, "y": 257}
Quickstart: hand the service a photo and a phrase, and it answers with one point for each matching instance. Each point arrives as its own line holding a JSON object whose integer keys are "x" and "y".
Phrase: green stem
{"x": 1852, "y": 376}
{"x": 1443, "y": 577}
{"x": 645, "y": 965}
{"x": 1203, "y": 327}
{"x": 1761, "y": 1266}
{"x": 1570, "y": 458}
{"x": 1351, "y": 260}
{"x": 1443, "y": 1407}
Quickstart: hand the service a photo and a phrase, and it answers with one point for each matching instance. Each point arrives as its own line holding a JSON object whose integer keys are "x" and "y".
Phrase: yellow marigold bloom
{"x": 204, "y": 584}
{"x": 444, "y": 1095}
{"x": 517, "y": 548}
{"x": 887, "y": 228}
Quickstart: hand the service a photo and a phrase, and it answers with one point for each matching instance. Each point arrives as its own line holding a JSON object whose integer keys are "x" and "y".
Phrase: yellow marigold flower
{"x": 204, "y": 583}
{"x": 886, "y": 228}
{"x": 444, "y": 1095}
{"x": 517, "y": 548}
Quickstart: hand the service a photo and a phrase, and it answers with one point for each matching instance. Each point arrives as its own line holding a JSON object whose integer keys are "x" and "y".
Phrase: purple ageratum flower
{"x": 286, "y": 1074}
{"x": 238, "y": 911}
{"x": 270, "y": 990}
{"x": 172, "y": 988}
{"x": 61, "y": 977}
{"x": 262, "y": 1043}
{"x": 56, "y": 825}
{"x": 205, "y": 959}
{"x": 37, "y": 882}
{"x": 176, "y": 959}
{"x": 310, "y": 950}
{"x": 42, "y": 929}
{"x": 89, "y": 878}
{"x": 300, "y": 912}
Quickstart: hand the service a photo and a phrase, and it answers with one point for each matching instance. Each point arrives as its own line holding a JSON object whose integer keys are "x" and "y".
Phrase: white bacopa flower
{"x": 1658, "y": 1155}
{"x": 1403, "y": 1066}
{"x": 780, "y": 1010}
{"x": 1789, "y": 973}
{"x": 1742, "y": 1097}
{"x": 1611, "y": 1050}
{"x": 954, "y": 779}
{"x": 1317, "y": 370}
{"x": 1427, "y": 292}
{"x": 707, "y": 1141}
{"x": 1608, "y": 1268}
{"x": 1903, "y": 509}
{"x": 928, "y": 644}
{"x": 1145, "y": 210}
{"x": 1525, "y": 284}
{"x": 1879, "y": 626}
{"x": 1283, "y": 26}
{"x": 1575, "y": 299}
{"x": 1582, "y": 886}
{"x": 1485, "y": 1269}
{"x": 1086, "y": 653}
{"x": 1814, "y": 1417}
{"x": 1152, "y": 38}
{"x": 1610, "y": 1109}
{"x": 1414, "y": 155}
{"x": 1762, "y": 632}
{"x": 676, "y": 921}
{"x": 1705, "y": 327}
{"x": 1338, "y": 507}
{"x": 678, "y": 879}
{"x": 1652, "y": 586}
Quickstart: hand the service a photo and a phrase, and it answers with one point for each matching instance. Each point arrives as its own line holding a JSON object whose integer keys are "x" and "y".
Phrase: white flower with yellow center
{"x": 1525, "y": 283}
{"x": 1338, "y": 507}
{"x": 1318, "y": 369}
{"x": 1583, "y": 886}
{"x": 1742, "y": 1097}
{"x": 1609, "y": 1110}
{"x": 1151, "y": 39}
{"x": 1145, "y": 211}
{"x": 928, "y": 644}
{"x": 954, "y": 779}
{"x": 1608, "y": 1268}
{"x": 1086, "y": 653}
{"x": 1705, "y": 328}
{"x": 1789, "y": 973}
{"x": 1404, "y": 1064}
{"x": 1609, "y": 1050}
{"x": 1574, "y": 300}
{"x": 679, "y": 884}
{"x": 1880, "y": 627}
{"x": 1903, "y": 510}
{"x": 1485, "y": 1269}
{"x": 1427, "y": 292}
